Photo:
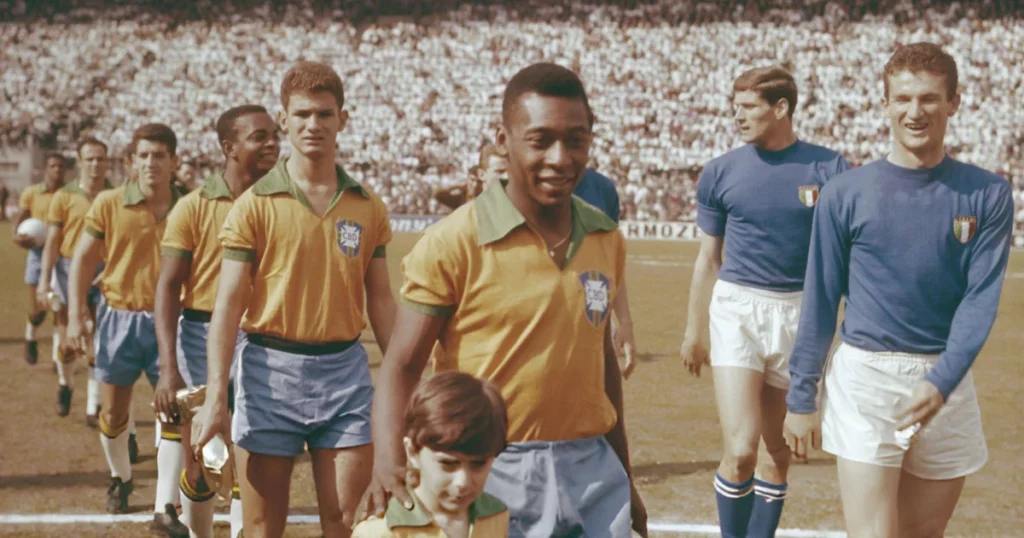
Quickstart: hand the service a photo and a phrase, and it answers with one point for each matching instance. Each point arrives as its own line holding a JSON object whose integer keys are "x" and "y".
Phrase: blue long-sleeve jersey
{"x": 919, "y": 255}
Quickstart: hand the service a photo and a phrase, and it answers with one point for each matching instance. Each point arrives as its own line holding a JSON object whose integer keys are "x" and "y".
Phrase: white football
{"x": 34, "y": 228}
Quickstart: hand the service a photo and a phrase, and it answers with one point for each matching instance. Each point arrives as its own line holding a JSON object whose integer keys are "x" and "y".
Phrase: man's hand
{"x": 801, "y": 432}
{"x": 625, "y": 345}
{"x": 164, "y": 401}
{"x": 389, "y": 478}
{"x": 925, "y": 402}
{"x": 694, "y": 356}
{"x": 637, "y": 511}
{"x": 213, "y": 419}
{"x": 43, "y": 292}
{"x": 76, "y": 337}
{"x": 23, "y": 241}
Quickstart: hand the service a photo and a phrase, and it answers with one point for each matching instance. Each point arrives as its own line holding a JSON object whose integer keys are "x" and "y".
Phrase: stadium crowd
{"x": 423, "y": 79}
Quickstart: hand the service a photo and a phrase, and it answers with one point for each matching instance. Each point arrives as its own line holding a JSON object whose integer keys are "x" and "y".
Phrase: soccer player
{"x": 191, "y": 256}
{"x": 518, "y": 285}
{"x": 758, "y": 201}
{"x": 917, "y": 243}
{"x": 34, "y": 203}
{"x": 66, "y": 218}
{"x": 490, "y": 169}
{"x": 304, "y": 248}
{"x": 128, "y": 223}
{"x": 186, "y": 177}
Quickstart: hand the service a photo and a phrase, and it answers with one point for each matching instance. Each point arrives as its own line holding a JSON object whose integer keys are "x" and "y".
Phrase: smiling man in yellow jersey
{"x": 545, "y": 340}
{"x": 65, "y": 219}
{"x": 128, "y": 222}
{"x": 34, "y": 203}
{"x": 187, "y": 287}
{"x": 303, "y": 249}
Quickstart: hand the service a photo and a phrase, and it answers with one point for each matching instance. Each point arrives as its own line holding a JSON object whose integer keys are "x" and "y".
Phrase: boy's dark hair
{"x": 310, "y": 77}
{"x": 927, "y": 57}
{"x": 546, "y": 79}
{"x": 772, "y": 83}
{"x": 456, "y": 412}
{"x": 226, "y": 129}
{"x": 90, "y": 141}
{"x": 155, "y": 132}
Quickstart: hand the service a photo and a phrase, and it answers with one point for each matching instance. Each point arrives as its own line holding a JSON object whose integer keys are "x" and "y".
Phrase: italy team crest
{"x": 964, "y": 227}
{"x": 808, "y": 195}
{"x": 597, "y": 289}
{"x": 350, "y": 237}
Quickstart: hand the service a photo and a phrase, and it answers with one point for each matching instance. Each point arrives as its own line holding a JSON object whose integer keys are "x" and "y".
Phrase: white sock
{"x": 198, "y": 516}
{"x": 236, "y": 517}
{"x": 30, "y": 332}
{"x": 116, "y": 450}
{"x": 92, "y": 395}
{"x": 57, "y": 355}
{"x": 66, "y": 374}
{"x": 168, "y": 471}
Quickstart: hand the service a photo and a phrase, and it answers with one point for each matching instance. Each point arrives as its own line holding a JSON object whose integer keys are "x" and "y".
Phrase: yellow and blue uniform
{"x": 36, "y": 200}
{"x": 67, "y": 211}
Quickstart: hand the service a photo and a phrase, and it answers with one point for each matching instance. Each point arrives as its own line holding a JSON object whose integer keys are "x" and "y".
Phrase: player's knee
{"x": 740, "y": 458}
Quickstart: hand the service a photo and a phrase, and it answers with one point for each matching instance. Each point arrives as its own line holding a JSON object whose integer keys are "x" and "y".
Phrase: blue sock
{"x": 768, "y": 501}
{"x": 735, "y": 502}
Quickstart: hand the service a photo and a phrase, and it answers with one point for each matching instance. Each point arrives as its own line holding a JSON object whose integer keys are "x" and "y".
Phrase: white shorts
{"x": 755, "y": 329}
{"x": 862, "y": 395}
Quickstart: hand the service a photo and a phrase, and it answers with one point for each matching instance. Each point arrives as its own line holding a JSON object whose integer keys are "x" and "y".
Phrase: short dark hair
{"x": 546, "y": 79}
{"x": 309, "y": 77}
{"x": 927, "y": 57}
{"x": 226, "y": 122}
{"x": 455, "y": 412}
{"x": 772, "y": 83}
{"x": 155, "y": 132}
{"x": 52, "y": 156}
{"x": 90, "y": 141}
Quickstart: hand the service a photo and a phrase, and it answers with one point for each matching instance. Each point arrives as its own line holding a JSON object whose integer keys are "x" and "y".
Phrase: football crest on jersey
{"x": 350, "y": 237}
{"x": 808, "y": 195}
{"x": 597, "y": 292}
{"x": 964, "y": 228}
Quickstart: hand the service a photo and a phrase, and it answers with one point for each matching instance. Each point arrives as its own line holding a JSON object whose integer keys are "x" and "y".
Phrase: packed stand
{"x": 423, "y": 90}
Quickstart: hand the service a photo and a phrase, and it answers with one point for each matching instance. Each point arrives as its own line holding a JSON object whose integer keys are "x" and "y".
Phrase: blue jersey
{"x": 919, "y": 255}
{"x": 599, "y": 191}
{"x": 762, "y": 202}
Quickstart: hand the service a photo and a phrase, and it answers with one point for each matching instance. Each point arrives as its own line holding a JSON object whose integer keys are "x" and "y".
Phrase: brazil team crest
{"x": 596, "y": 289}
{"x": 964, "y": 227}
{"x": 350, "y": 237}
{"x": 808, "y": 195}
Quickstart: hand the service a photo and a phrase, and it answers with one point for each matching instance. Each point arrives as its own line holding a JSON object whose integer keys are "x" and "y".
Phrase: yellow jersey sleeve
{"x": 25, "y": 200}
{"x": 57, "y": 213}
{"x": 97, "y": 219}
{"x": 432, "y": 274}
{"x": 179, "y": 239}
{"x": 238, "y": 234}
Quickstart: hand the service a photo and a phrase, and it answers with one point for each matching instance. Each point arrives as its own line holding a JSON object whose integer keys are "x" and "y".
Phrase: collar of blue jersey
{"x": 74, "y": 187}
{"x": 497, "y": 216}
{"x": 397, "y": 516}
{"x": 277, "y": 181}
{"x": 215, "y": 187}
{"x": 133, "y": 194}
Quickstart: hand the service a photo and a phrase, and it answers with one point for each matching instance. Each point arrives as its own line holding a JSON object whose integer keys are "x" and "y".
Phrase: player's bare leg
{"x": 65, "y": 361}
{"x": 738, "y": 394}
{"x": 926, "y": 506}
{"x": 770, "y": 485}
{"x": 114, "y": 433}
{"x": 92, "y": 399}
{"x": 36, "y": 316}
{"x": 265, "y": 486}
{"x": 869, "y": 494}
{"x": 198, "y": 499}
{"x": 341, "y": 477}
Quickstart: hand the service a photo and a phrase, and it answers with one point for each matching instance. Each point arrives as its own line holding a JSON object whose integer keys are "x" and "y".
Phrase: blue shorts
{"x": 125, "y": 343}
{"x": 59, "y": 283}
{"x": 33, "y": 266}
{"x": 287, "y": 401}
{"x": 565, "y": 488}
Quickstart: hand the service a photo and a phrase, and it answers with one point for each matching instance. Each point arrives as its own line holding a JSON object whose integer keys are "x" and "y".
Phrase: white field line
{"x": 73, "y": 519}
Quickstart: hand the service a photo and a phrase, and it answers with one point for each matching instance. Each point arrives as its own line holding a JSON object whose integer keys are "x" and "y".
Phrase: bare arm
{"x": 613, "y": 388}
{"x": 88, "y": 253}
{"x": 380, "y": 302}
{"x": 174, "y": 270}
{"x": 705, "y": 273}
{"x": 51, "y": 252}
{"x": 409, "y": 350}
{"x": 232, "y": 301}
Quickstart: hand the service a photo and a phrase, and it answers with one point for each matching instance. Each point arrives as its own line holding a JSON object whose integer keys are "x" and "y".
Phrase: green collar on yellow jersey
{"x": 278, "y": 181}
{"x": 215, "y": 187}
{"x": 497, "y": 216}
{"x": 397, "y": 516}
{"x": 133, "y": 194}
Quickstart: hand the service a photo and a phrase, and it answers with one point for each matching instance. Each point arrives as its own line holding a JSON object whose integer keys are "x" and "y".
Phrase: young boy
{"x": 455, "y": 426}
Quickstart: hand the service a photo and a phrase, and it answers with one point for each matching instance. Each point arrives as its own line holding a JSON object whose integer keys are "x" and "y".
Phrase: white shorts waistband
{"x": 730, "y": 289}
